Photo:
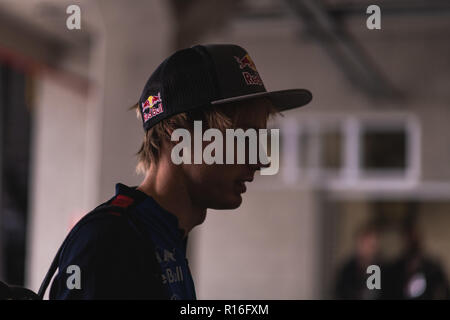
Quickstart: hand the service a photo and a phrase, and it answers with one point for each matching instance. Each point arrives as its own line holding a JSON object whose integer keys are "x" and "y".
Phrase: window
{"x": 383, "y": 150}
{"x": 351, "y": 150}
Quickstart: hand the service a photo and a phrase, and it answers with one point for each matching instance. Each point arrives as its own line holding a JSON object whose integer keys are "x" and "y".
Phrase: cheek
{"x": 219, "y": 176}
{"x": 214, "y": 180}
{"x": 208, "y": 176}
{"x": 213, "y": 186}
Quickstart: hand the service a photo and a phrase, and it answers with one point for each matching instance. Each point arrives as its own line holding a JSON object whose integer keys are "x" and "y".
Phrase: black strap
{"x": 48, "y": 277}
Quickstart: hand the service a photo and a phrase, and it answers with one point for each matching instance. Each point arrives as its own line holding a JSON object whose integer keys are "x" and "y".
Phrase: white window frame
{"x": 351, "y": 175}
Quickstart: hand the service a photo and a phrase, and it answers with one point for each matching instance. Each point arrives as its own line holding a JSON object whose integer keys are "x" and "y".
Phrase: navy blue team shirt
{"x": 114, "y": 260}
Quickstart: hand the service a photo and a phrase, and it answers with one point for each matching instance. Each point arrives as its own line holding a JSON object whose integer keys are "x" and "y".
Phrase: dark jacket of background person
{"x": 351, "y": 280}
{"x": 415, "y": 276}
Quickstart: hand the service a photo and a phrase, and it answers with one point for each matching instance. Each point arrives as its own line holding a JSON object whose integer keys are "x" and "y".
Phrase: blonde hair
{"x": 220, "y": 117}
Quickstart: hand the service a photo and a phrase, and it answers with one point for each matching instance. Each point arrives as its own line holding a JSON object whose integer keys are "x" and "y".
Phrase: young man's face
{"x": 220, "y": 186}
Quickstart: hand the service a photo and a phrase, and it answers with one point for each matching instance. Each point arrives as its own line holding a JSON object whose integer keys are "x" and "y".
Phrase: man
{"x": 139, "y": 251}
{"x": 415, "y": 275}
{"x": 352, "y": 277}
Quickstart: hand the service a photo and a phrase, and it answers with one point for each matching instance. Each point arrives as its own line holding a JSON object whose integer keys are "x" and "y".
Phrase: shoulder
{"x": 99, "y": 234}
{"x": 103, "y": 245}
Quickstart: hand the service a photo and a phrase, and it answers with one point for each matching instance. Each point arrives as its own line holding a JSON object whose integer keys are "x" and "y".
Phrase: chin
{"x": 233, "y": 202}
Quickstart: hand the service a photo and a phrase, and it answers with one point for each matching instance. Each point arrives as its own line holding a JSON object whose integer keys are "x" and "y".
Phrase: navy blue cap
{"x": 206, "y": 75}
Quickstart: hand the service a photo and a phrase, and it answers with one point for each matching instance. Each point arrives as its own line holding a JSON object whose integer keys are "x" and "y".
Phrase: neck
{"x": 165, "y": 184}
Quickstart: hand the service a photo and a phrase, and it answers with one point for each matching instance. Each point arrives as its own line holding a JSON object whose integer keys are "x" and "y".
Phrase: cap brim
{"x": 282, "y": 99}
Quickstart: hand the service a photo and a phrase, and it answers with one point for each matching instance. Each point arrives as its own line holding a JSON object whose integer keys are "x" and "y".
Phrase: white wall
{"x": 263, "y": 250}
{"x": 57, "y": 161}
{"x": 85, "y": 143}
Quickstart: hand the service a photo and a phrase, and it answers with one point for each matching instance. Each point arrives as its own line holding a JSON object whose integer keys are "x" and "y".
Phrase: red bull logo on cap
{"x": 246, "y": 61}
{"x": 152, "y": 107}
{"x": 251, "y": 77}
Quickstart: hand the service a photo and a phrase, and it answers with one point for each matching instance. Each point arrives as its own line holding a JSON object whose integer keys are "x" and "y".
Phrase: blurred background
{"x": 364, "y": 176}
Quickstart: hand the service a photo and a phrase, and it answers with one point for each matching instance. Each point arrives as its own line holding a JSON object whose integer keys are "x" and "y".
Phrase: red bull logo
{"x": 246, "y": 61}
{"x": 151, "y": 101}
{"x": 250, "y": 76}
{"x": 152, "y": 107}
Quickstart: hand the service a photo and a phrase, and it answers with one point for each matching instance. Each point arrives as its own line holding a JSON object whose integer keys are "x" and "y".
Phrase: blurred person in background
{"x": 415, "y": 275}
{"x": 351, "y": 281}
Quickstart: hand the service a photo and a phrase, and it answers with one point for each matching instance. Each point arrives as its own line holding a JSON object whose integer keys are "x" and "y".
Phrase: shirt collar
{"x": 168, "y": 219}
